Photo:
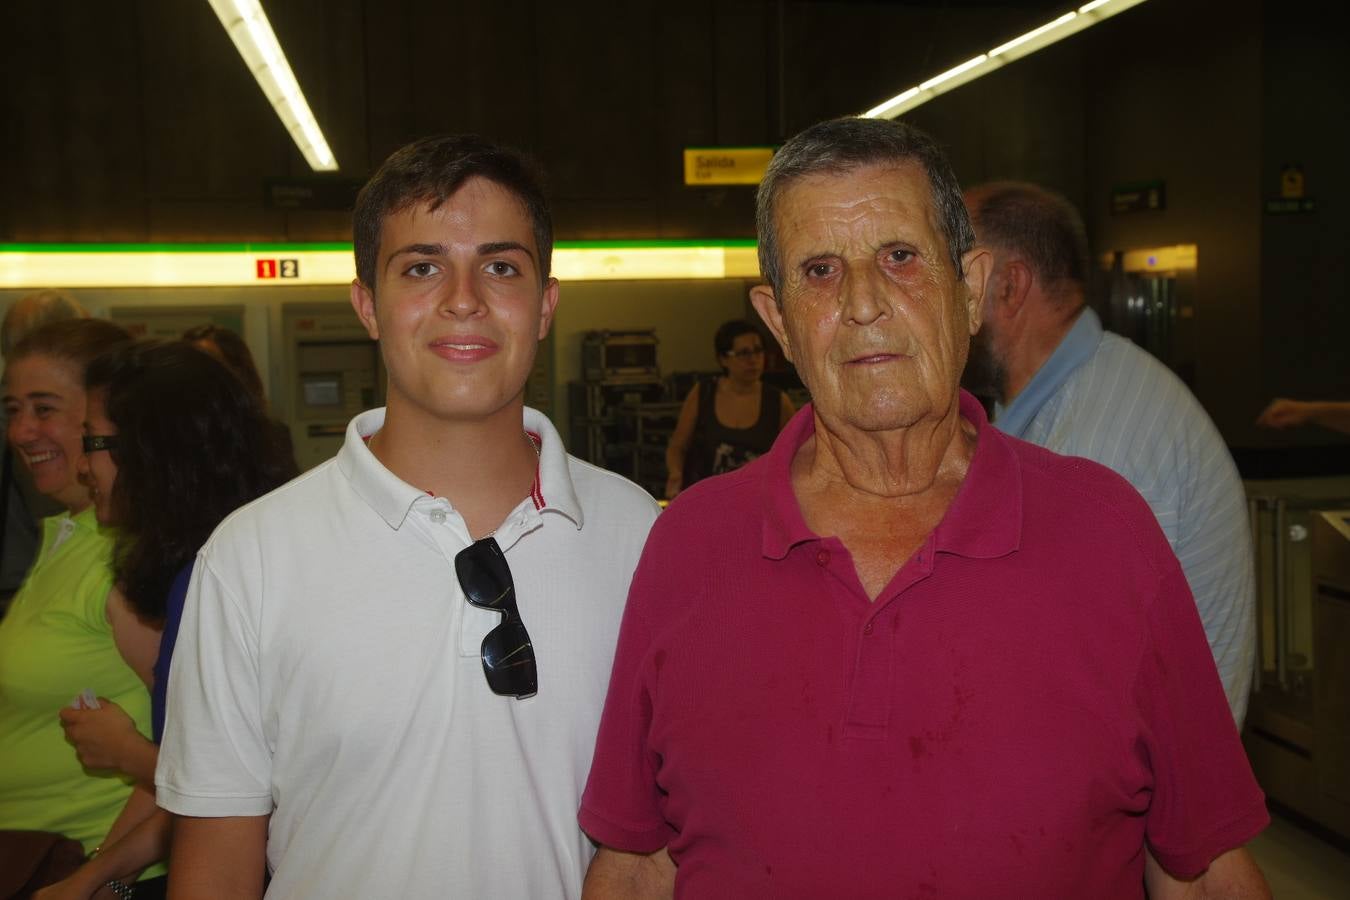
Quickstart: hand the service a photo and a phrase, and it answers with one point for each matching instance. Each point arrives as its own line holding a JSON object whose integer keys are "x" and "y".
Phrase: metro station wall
{"x": 1188, "y": 113}
{"x": 1305, "y": 285}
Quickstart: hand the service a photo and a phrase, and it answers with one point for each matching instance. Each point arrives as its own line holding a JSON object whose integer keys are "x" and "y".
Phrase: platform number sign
{"x": 278, "y": 268}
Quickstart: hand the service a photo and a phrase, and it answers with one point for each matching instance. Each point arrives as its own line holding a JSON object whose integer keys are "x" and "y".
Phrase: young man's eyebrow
{"x": 416, "y": 250}
{"x": 502, "y": 246}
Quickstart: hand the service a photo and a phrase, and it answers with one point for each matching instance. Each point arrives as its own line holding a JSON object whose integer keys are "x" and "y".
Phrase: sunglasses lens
{"x": 508, "y": 660}
{"x": 484, "y": 575}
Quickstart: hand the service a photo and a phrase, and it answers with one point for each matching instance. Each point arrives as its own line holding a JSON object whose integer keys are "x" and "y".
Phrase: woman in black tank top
{"x": 729, "y": 420}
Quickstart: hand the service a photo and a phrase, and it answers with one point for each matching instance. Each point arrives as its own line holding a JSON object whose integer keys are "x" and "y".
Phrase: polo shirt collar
{"x": 1076, "y": 348}
{"x": 86, "y": 519}
{"x": 553, "y": 489}
{"x": 784, "y": 526}
{"x": 392, "y": 498}
{"x": 984, "y": 520}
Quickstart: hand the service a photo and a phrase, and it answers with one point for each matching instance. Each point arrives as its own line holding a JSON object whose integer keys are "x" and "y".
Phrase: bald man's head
{"x": 35, "y": 310}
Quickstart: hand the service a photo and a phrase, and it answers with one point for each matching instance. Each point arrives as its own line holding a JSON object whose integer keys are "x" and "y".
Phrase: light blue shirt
{"x": 1099, "y": 396}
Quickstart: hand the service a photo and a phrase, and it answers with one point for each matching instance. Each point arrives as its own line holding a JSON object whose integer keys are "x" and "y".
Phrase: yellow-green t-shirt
{"x": 55, "y": 642}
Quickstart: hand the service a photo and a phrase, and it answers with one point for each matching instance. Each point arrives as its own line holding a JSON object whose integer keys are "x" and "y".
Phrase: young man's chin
{"x": 465, "y": 410}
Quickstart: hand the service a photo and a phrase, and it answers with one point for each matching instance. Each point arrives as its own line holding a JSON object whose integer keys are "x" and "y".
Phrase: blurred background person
{"x": 67, "y": 630}
{"x": 174, "y": 443}
{"x": 1284, "y": 413}
{"x": 1060, "y": 381}
{"x": 727, "y": 421}
{"x": 228, "y": 347}
{"x": 35, "y": 310}
{"x": 21, "y": 506}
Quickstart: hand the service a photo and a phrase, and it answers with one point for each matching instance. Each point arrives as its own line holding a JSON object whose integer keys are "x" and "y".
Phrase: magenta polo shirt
{"x": 1028, "y": 703}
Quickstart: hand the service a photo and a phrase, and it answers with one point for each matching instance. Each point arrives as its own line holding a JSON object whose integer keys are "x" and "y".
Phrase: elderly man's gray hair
{"x": 840, "y": 145}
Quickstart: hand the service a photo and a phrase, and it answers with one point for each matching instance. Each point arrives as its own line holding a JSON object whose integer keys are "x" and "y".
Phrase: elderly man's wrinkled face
{"x": 873, "y": 314}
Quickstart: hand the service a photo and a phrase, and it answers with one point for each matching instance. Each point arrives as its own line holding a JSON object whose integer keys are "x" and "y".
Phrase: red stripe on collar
{"x": 536, "y": 489}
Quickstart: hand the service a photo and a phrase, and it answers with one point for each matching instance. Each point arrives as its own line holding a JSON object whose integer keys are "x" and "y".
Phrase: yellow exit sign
{"x": 725, "y": 165}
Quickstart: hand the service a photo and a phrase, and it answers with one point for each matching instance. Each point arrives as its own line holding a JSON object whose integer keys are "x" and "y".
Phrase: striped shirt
{"x": 1101, "y": 397}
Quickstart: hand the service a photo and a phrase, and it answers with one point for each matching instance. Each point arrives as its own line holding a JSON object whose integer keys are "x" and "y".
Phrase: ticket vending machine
{"x": 332, "y": 372}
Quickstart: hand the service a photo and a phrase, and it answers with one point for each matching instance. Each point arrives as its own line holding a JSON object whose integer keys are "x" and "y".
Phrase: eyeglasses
{"x": 746, "y": 353}
{"x": 508, "y": 655}
{"x": 93, "y": 442}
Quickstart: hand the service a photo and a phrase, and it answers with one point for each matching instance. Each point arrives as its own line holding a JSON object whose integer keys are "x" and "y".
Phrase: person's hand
{"x": 75, "y": 887}
{"x": 673, "y": 485}
{"x": 66, "y": 889}
{"x": 101, "y": 736}
{"x": 1282, "y": 413}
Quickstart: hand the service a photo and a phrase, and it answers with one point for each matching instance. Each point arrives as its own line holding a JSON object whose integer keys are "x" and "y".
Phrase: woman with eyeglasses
{"x": 727, "y": 421}
{"x": 68, "y": 633}
{"x": 173, "y": 443}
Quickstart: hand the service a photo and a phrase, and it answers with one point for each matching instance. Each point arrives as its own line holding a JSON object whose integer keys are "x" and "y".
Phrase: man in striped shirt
{"x": 1062, "y": 382}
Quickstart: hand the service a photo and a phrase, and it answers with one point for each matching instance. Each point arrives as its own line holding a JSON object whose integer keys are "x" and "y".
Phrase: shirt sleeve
{"x": 1216, "y": 554}
{"x": 214, "y": 759}
{"x": 621, "y": 806}
{"x": 1205, "y": 799}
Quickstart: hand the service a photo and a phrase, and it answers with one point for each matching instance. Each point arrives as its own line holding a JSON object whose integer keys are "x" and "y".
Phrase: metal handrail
{"x": 1254, "y": 529}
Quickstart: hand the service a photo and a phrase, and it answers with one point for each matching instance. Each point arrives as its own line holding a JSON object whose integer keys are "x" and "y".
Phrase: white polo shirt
{"x": 328, "y": 673}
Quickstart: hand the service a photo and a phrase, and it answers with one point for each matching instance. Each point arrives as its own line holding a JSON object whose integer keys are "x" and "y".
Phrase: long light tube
{"x": 1051, "y": 32}
{"x": 247, "y": 26}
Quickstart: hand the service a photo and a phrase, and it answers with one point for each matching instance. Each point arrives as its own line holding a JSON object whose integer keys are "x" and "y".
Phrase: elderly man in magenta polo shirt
{"x": 903, "y": 654}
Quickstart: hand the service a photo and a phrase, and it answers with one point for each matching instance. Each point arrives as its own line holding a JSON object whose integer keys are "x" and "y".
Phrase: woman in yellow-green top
{"x": 55, "y": 642}
{"x": 67, "y": 630}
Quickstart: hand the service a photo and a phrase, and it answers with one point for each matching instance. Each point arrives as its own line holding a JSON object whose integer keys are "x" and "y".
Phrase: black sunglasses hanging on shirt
{"x": 508, "y": 655}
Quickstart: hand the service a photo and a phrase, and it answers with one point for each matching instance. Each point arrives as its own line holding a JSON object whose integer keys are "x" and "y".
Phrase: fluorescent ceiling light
{"x": 1057, "y": 30}
{"x": 952, "y": 73}
{"x": 247, "y": 26}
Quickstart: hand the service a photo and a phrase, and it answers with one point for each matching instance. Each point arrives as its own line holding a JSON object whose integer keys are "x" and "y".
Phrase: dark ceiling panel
{"x": 139, "y": 121}
{"x": 76, "y": 162}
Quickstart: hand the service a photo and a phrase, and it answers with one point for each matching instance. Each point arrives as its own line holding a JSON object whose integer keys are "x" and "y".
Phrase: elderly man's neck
{"x": 898, "y": 464}
{"x": 882, "y": 494}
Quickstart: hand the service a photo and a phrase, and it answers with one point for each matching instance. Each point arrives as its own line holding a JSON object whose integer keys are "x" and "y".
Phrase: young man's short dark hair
{"x": 429, "y": 171}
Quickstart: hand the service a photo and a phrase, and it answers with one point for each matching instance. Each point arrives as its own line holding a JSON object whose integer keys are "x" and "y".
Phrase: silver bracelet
{"x": 121, "y": 889}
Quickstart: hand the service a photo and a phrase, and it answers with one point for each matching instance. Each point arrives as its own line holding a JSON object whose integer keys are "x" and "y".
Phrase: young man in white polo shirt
{"x": 390, "y": 671}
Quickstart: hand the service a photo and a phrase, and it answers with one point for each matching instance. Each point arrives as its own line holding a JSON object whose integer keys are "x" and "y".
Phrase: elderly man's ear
{"x": 766, "y": 304}
{"x": 976, "y": 266}
{"x": 1007, "y": 286}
